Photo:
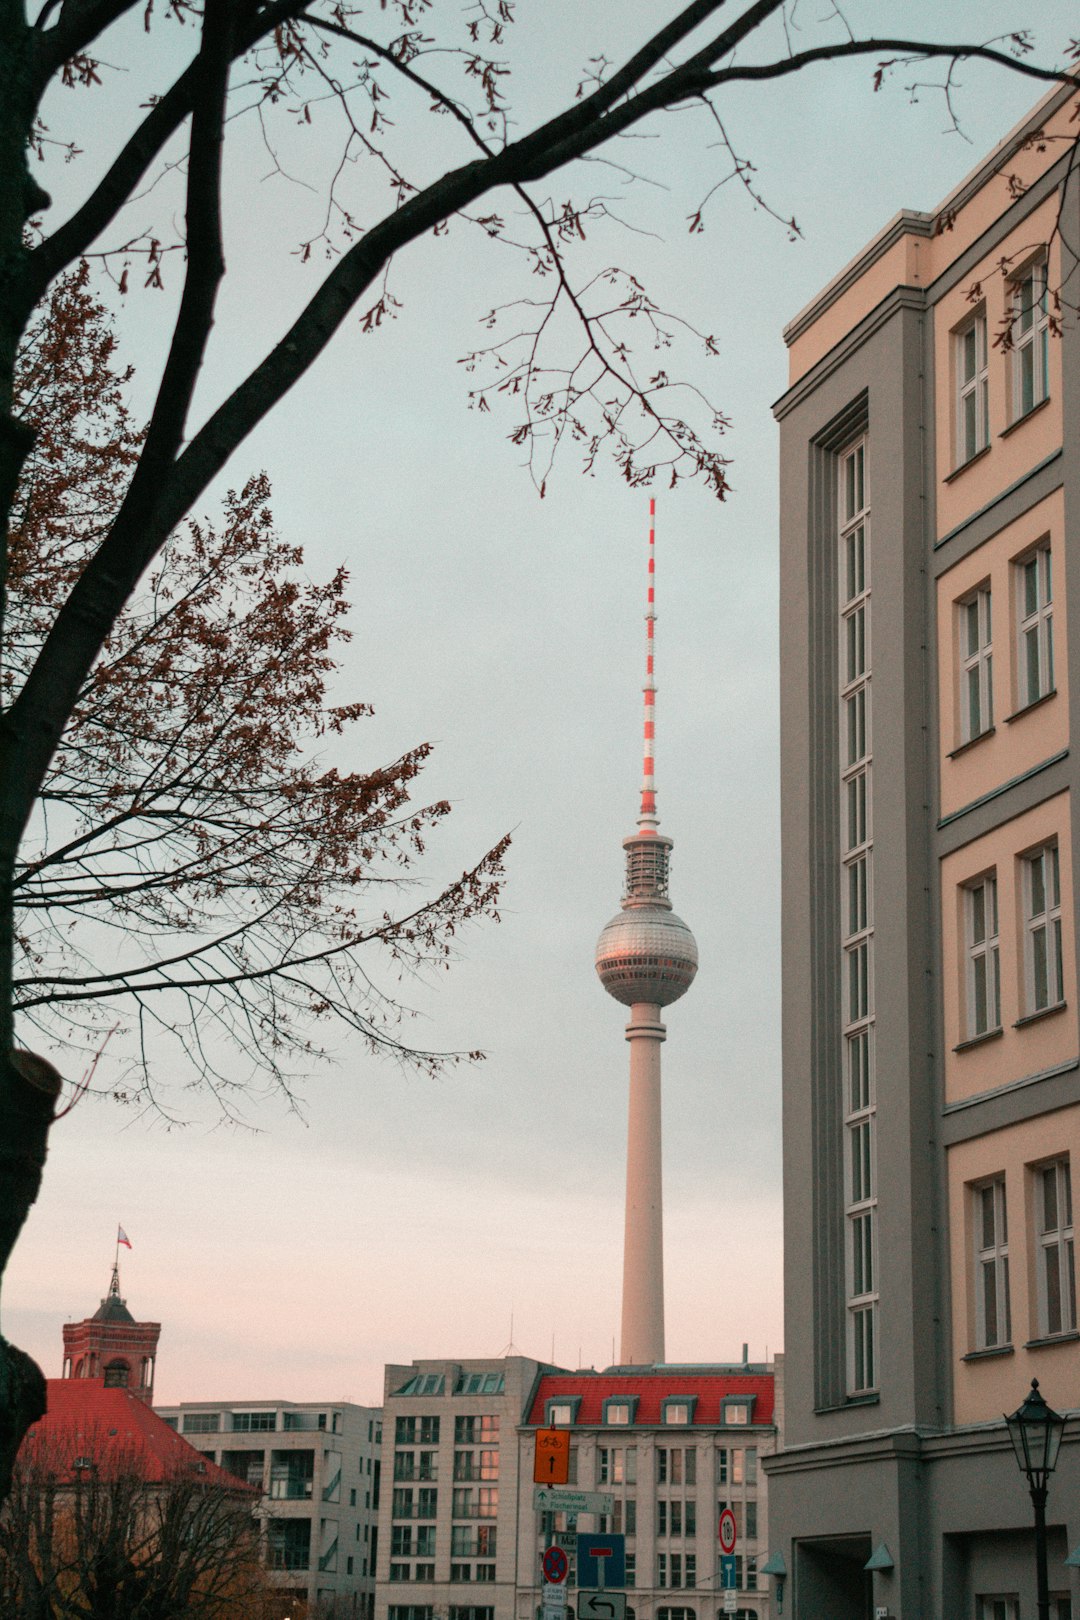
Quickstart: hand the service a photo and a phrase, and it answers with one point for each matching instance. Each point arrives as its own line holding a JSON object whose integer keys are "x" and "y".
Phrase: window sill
{"x": 871, "y": 1399}
{"x": 970, "y": 462}
{"x": 989, "y": 1353}
{"x": 1052, "y": 1338}
{"x": 980, "y": 1040}
{"x": 978, "y": 738}
{"x": 1035, "y": 703}
{"x": 1020, "y": 420}
{"x": 1043, "y": 1012}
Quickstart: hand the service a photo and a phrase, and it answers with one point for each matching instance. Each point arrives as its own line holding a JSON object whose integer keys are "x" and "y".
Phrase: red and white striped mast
{"x": 646, "y": 958}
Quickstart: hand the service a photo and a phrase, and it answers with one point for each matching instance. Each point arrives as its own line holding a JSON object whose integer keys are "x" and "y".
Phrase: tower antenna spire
{"x": 648, "y": 820}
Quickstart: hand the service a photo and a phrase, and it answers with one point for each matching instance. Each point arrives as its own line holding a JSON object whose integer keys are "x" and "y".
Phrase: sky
{"x": 392, "y": 1215}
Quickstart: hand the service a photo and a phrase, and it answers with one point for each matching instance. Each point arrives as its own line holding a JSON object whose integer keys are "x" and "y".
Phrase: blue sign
{"x": 601, "y": 1560}
{"x": 727, "y": 1571}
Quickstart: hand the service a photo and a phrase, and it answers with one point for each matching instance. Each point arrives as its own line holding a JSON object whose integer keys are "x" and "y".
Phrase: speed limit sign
{"x": 728, "y": 1531}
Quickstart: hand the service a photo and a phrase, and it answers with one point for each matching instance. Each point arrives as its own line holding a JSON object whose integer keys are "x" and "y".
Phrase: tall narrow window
{"x": 976, "y": 665}
{"x": 993, "y": 1325}
{"x": 983, "y": 962}
{"x": 1045, "y": 980}
{"x": 1057, "y": 1274}
{"x": 857, "y": 916}
{"x": 1030, "y": 339}
{"x": 972, "y": 389}
{"x": 1035, "y": 649}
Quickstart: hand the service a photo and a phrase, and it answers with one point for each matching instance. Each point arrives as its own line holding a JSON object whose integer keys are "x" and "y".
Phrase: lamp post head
{"x": 1035, "y": 1430}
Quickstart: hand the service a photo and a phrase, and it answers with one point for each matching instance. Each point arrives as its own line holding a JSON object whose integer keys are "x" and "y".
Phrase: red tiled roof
{"x": 113, "y": 1426}
{"x": 652, "y": 1388}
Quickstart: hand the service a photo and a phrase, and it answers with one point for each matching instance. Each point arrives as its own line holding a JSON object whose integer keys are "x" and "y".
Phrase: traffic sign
{"x": 601, "y": 1605}
{"x": 555, "y": 1565}
{"x": 731, "y": 1601}
{"x": 551, "y": 1462}
{"x": 727, "y": 1571}
{"x": 550, "y": 1500}
{"x": 554, "y": 1597}
{"x": 728, "y": 1531}
{"x": 566, "y": 1539}
{"x": 601, "y": 1560}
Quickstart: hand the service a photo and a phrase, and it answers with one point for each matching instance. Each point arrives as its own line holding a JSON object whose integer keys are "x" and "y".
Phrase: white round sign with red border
{"x": 728, "y": 1531}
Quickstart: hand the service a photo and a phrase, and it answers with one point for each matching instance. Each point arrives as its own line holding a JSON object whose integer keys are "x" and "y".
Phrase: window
{"x": 473, "y": 1431}
{"x": 992, "y": 1318}
{"x": 560, "y": 1414}
{"x": 736, "y": 1412}
{"x": 476, "y": 1465}
{"x": 631, "y": 1575}
{"x": 458, "y": 1572}
{"x": 623, "y": 1521}
{"x": 1035, "y": 650}
{"x": 976, "y": 665}
{"x": 972, "y": 414}
{"x": 983, "y": 963}
{"x": 201, "y": 1422}
{"x": 1057, "y": 1275}
{"x": 998, "y": 1608}
{"x": 617, "y": 1412}
{"x": 676, "y": 1412}
{"x": 425, "y": 1542}
{"x": 857, "y": 921}
{"x": 292, "y": 1475}
{"x": 424, "y": 1572}
{"x": 288, "y": 1544}
{"x": 617, "y": 1465}
{"x": 253, "y": 1422}
{"x": 1042, "y": 940}
{"x": 674, "y": 1466}
{"x": 410, "y": 1611}
{"x": 1030, "y": 337}
{"x": 751, "y": 1465}
{"x": 738, "y": 1466}
{"x": 117, "y": 1375}
{"x": 485, "y": 1572}
{"x": 751, "y": 1521}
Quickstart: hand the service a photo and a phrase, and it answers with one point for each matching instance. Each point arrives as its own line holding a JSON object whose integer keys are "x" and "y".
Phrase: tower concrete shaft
{"x": 643, "y": 1239}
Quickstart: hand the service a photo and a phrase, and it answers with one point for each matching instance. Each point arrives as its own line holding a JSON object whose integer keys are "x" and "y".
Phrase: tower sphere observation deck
{"x": 646, "y": 953}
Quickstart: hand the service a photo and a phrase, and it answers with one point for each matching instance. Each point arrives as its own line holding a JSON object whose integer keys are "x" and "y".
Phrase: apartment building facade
{"x": 930, "y": 554}
{"x": 674, "y": 1447}
{"x": 317, "y": 1467}
{"x": 450, "y": 1502}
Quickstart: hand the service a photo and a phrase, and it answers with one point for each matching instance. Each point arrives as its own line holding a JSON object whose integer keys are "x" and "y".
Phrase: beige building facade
{"x": 930, "y": 540}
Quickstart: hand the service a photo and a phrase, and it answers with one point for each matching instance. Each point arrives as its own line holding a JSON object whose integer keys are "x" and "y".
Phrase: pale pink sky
{"x": 411, "y": 1217}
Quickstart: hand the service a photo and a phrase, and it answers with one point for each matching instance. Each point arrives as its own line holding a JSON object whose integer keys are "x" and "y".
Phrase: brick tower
{"x": 113, "y": 1346}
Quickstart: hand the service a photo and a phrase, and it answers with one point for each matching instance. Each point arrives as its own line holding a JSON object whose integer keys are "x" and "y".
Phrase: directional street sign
{"x": 547, "y": 1500}
{"x": 555, "y": 1565}
{"x": 601, "y": 1560}
{"x": 551, "y": 1464}
{"x": 601, "y": 1605}
{"x": 727, "y": 1571}
{"x": 728, "y": 1531}
{"x": 566, "y": 1539}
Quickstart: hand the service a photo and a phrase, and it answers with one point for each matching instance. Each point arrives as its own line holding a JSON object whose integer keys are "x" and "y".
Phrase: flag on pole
{"x": 122, "y": 1237}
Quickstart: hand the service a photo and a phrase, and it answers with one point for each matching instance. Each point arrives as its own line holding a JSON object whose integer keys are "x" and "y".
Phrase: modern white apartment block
{"x": 449, "y": 1511}
{"x": 317, "y": 1465}
{"x": 673, "y": 1446}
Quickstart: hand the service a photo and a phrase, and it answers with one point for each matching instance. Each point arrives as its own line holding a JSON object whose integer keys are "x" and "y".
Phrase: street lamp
{"x": 1035, "y": 1431}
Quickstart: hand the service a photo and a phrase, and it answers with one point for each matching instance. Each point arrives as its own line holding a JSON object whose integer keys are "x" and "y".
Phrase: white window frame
{"x": 976, "y": 664}
{"x": 995, "y": 1606}
{"x": 1034, "y": 625}
{"x": 972, "y": 388}
{"x": 993, "y": 1309}
{"x": 983, "y": 957}
{"x": 1030, "y": 337}
{"x": 1043, "y": 971}
{"x": 1057, "y": 1259}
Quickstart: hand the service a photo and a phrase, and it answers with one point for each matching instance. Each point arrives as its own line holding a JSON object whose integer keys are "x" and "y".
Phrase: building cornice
{"x": 899, "y": 298}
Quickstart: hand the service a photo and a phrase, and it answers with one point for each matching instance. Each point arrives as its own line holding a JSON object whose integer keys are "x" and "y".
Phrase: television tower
{"x": 646, "y": 958}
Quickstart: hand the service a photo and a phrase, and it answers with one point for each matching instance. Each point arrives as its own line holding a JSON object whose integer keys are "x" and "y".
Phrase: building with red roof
{"x": 112, "y": 1346}
{"x": 666, "y": 1449}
